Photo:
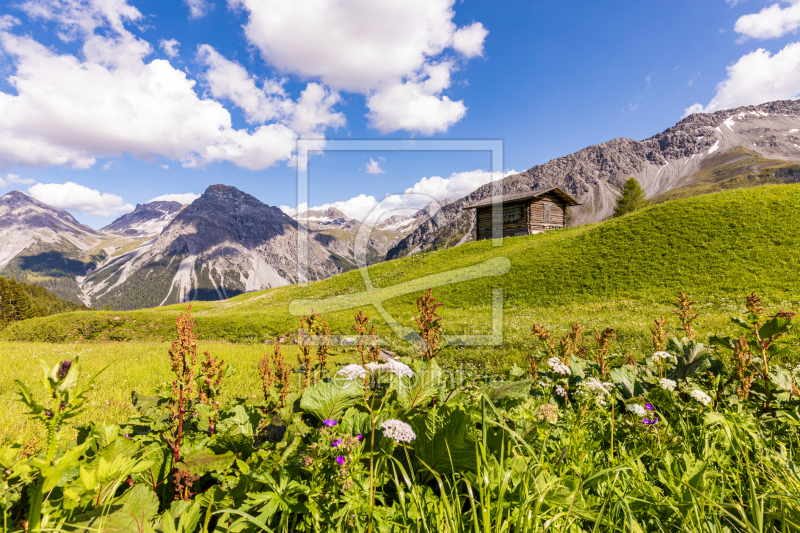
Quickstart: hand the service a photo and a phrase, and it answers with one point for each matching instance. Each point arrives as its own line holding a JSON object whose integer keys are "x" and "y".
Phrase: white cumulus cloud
{"x": 12, "y": 179}
{"x": 426, "y": 190}
{"x": 385, "y": 50}
{"x": 756, "y": 78}
{"x": 771, "y": 22}
{"x": 469, "y": 39}
{"x": 198, "y": 8}
{"x": 170, "y": 47}
{"x": 110, "y": 100}
{"x": 374, "y": 167}
{"x": 184, "y": 198}
{"x": 74, "y": 197}
{"x": 415, "y": 105}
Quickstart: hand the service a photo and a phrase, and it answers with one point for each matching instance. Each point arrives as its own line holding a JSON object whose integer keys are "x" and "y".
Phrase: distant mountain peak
{"x": 146, "y": 220}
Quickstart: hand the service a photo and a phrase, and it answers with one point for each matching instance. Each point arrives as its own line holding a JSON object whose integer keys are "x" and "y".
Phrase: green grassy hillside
{"x": 621, "y": 272}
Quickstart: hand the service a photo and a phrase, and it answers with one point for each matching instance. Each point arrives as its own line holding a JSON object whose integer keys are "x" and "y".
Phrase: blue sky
{"x": 110, "y": 103}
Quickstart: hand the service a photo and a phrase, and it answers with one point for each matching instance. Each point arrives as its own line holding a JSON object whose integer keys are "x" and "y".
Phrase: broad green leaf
{"x": 723, "y": 342}
{"x": 104, "y": 434}
{"x": 200, "y": 461}
{"x": 627, "y": 381}
{"x": 419, "y": 390}
{"x": 444, "y": 442}
{"x": 127, "y": 514}
{"x": 781, "y": 377}
{"x": 775, "y": 326}
{"x": 508, "y": 390}
{"x": 331, "y": 399}
{"x": 742, "y": 323}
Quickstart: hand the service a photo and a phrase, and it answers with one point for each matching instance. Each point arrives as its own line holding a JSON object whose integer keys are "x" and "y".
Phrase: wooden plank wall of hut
{"x": 515, "y": 220}
{"x": 546, "y": 212}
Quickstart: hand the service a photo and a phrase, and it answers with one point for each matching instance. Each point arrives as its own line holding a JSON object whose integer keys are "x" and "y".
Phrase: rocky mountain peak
{"x": 146, "y": 219}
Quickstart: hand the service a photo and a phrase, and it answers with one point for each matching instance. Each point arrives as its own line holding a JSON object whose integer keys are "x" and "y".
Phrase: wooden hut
{"x": 525, "y": 213}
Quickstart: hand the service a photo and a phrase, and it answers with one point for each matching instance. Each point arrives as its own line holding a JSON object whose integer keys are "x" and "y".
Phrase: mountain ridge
{"x": 595, "y": 174}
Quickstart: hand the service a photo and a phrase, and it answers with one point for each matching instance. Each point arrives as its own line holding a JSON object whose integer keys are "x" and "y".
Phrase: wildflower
{"x": 648, "y": 422}
{"x": 341, "y": 460}
{"x": 398, "y": 430}
{"x": 649, "y": 406}
{"x": 636, "y": 409}
{"x": 336, "y": 443}
{"x": 561, "y": 391}
{"x": 352, "y": 372}
{"x": 328, "y": 423}
{"x": 701, "y": 396}
{"x": 63, "y": 369}
{"x": 558, "y": 367}
{"x": 373, "y": 366}
{"x": 397, "y": 368}
{"x": 594, "y": 389}
{"x": 359, "y": 437}
{"x": 667, "y": 384}
{"x": 665, "y": 355}
{"x": 547, "y": 412}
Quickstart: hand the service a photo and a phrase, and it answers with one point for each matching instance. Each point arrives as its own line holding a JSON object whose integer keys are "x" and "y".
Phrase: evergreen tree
{"x": 24, "y": 305}
{"x": 632, "y": 199}
{"x": 5, "y": 301}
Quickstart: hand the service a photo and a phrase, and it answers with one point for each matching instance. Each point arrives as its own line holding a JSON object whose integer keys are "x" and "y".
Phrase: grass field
{"x": 139, "y": 366}
{"x": 621, "y": 273}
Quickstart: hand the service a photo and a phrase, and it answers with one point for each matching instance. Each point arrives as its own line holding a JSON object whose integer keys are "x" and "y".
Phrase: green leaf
{"x": 104, "y": 434}
{"x": 127, "y": 514}
{"x": 355, "y": 422}
{"x": 775, "y": 326}
{"x": 443, "y": 443}
{"x": 742, "y": 323}
{"x": 508, "y": 390}
{"x": 200, "y": 461}
{"x": 781, "y": 377}
{"x": 420, "y": 389}
{"x": 722, "y": 342}
{"x": 627, "y": 381}
{"x": 331, "y": 399}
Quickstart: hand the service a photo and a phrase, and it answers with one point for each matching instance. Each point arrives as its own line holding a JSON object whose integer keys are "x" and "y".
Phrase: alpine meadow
{"x": 271, "y": 267}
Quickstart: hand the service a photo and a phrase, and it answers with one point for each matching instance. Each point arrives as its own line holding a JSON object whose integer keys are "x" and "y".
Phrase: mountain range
{"x": 227, "y": 242}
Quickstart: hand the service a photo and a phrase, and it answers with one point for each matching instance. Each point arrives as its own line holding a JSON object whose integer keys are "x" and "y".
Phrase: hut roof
{"x": 513, "y": 197}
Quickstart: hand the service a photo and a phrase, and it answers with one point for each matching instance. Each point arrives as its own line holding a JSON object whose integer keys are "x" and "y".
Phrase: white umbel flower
{"x": 393, "y": 367}
{"x": 636, "y": 409}
{"x": 398, "y": 430}
{"x": 662, "y": 356}
{"x": 667, "y": 384}
{"x": 701, "y": 396}
{"x": 559, "y": 367}
{"x": 594, "y": 389}
{"x": 373, "y": 366}
{"x": 398, "y": 369}
{"x": 352, "y": 372}
{"x": 561, "y": 391}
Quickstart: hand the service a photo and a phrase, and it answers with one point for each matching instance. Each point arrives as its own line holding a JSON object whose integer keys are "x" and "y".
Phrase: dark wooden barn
{"x": 525, "y": 213}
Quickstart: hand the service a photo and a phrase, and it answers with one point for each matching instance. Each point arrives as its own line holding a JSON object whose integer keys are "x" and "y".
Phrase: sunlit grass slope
{"x": 716, "y": 247}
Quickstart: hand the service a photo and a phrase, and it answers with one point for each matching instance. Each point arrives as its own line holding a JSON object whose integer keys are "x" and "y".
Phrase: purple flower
{"x": 328, "y": 423}
{"x": 341, "y": 460}
{"x": 648, "y": 422}
{"x": 336, "y": 443}
{"x": 359, "y": 437}
{"x": 63, "y": 368}
{"x": 649, "y": 406}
